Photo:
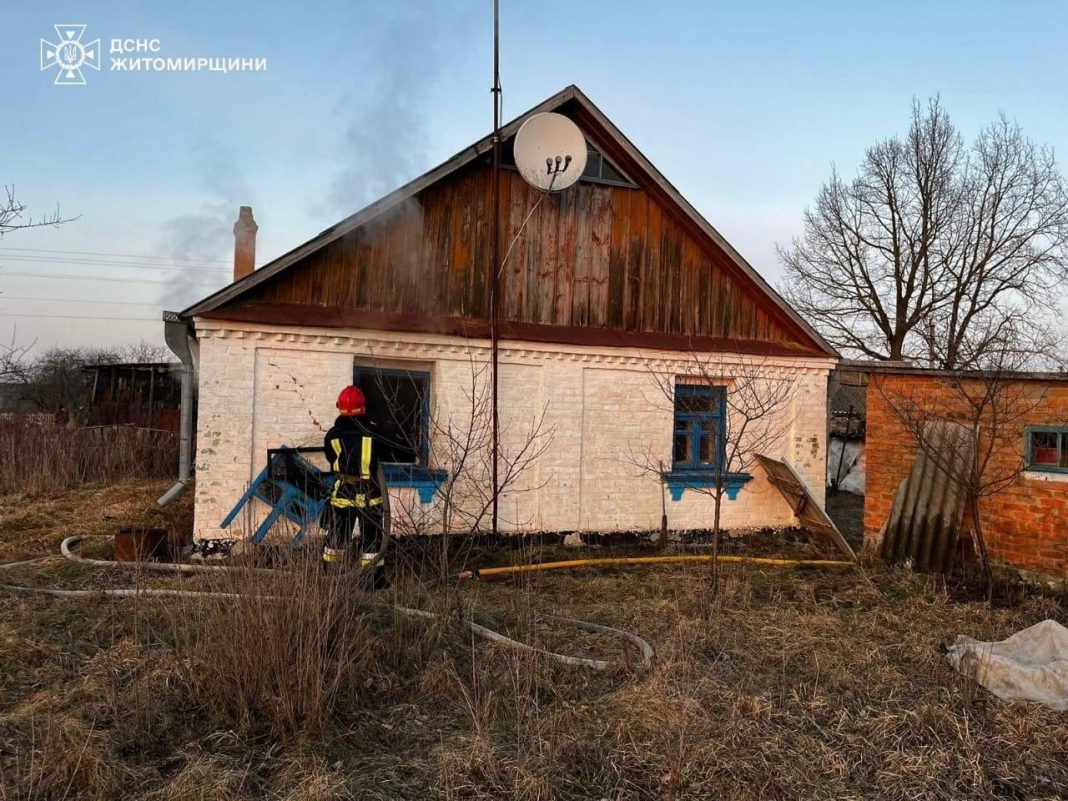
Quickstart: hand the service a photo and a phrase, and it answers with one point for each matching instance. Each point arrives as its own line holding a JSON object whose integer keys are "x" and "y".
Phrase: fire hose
{"x": 67, "y": 550}
{"x": 644, "y": 648}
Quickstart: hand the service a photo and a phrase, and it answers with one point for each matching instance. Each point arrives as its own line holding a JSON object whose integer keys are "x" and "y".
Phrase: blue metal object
{"x": 296, "y": 489}
{"x": 292, "y": 486}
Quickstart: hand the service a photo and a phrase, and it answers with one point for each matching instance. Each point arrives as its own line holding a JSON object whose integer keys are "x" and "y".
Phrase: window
{"x": 699, "y": 428}
{"x": 1047, "y": 449}
{"x": 598, "y": 168}
{"x": 398, "y": 401}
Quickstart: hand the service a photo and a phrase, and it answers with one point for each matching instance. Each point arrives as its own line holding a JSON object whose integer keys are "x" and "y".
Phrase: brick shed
{"x": 1026, "y": 520}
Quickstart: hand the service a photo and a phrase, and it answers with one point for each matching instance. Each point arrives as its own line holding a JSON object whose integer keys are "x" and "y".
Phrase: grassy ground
{"x": 785, "y": 685}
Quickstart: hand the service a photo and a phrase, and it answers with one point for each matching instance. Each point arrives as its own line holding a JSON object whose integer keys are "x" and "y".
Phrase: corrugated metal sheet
{"x": 783, "y": 477}
{"x": 924, "y": 523}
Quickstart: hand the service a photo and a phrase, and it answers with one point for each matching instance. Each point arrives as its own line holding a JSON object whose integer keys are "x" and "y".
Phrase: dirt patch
{"x": 846, "y": 509}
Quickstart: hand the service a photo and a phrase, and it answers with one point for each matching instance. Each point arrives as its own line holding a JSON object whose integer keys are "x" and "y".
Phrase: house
{"x": 602, "y": 281}
{"x": 1022, "y": 420}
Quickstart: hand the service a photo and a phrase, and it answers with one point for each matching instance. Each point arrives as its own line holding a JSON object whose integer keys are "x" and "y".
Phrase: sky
{"x": 745, "y": 107}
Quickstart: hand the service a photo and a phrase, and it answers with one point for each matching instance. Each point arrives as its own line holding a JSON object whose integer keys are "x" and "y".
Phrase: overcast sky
{"x": 743, "y": 106}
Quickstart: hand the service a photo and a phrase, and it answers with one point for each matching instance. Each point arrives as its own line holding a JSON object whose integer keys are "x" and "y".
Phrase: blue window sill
{"x": 679, "y": 480}
{"x": 407, "y": 476}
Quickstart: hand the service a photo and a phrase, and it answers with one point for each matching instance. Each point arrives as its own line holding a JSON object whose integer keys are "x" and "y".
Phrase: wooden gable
{"x": 596, "y": 264}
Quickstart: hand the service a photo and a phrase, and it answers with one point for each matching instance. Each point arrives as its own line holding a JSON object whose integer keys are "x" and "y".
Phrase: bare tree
{"x": 14, "y": 361}
{"x": 757, "y": 416}
{"x": 140, "y": 352}
{"x": 936, "y": 251}
{"x": 12, "y": 210}
{"x": 993, "y": 406}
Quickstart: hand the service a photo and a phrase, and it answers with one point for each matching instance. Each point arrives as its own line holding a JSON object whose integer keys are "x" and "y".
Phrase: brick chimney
{"x": 244, "y": 243}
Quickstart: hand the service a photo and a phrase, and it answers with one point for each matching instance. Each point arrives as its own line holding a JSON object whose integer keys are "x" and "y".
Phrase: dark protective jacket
{"x": 354, "y": 449}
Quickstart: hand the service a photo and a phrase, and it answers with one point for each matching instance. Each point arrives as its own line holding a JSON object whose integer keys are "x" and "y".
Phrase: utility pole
{"x": 495, "y": 267}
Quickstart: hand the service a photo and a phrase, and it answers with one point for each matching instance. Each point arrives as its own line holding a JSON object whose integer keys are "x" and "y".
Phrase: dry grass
{"x": 38, "y": 457}
{"x": 787, "y": 685}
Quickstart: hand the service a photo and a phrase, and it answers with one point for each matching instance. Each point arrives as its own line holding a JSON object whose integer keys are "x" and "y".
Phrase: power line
{"x": 4, "y": 296}
{"x": 119, "y": 265}
{"x": 16, "y": 274}
{"x": 83, "y": 317}
{"x": 117, "y": 255}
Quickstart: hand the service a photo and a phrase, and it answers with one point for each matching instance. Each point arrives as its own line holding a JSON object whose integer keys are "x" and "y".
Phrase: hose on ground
{"x": 67, "y": 550}
{"x": 491, "y": 572}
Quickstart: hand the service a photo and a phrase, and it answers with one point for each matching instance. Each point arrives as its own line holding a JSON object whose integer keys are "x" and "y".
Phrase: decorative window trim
{"x": 1032, "y": 467}
{"x": 678, "y": 481}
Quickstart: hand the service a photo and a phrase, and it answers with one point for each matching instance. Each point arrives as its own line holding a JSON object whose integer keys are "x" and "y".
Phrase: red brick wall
{"x": 1026, "y": 523}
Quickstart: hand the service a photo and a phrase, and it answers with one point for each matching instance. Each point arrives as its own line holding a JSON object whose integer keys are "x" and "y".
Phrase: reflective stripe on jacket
{"x": 352, "y": 449}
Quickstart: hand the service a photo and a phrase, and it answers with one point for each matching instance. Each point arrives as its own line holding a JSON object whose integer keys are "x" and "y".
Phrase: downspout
{"x": 176, "y": 334}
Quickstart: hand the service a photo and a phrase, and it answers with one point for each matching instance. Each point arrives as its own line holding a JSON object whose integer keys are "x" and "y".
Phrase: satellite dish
{"x": 550, "y": 152}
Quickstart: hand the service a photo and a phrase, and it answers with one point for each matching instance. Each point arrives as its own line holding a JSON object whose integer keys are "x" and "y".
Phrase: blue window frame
{"x": 700, "y": 419}
{"x": 1047, "y": 448}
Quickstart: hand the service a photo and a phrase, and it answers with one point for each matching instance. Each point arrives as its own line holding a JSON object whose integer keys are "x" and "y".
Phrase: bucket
{"x": 139, "y": 544}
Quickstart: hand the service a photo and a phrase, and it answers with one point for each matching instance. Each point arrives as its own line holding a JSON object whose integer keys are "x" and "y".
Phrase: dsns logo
{"x": 70, "y": 54}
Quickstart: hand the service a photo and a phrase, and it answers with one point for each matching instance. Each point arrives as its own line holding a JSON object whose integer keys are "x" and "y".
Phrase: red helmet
{"x": 350, "y": 401}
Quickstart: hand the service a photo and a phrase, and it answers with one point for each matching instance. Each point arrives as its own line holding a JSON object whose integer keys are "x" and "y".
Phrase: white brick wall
{"x": 262, "y": 387}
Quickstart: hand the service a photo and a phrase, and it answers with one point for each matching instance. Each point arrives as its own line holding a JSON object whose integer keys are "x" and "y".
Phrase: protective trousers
{"x": 341, "y": 524}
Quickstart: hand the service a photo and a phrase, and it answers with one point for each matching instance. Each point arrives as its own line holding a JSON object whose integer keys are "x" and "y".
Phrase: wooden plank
{"x": 652, "y": 285}
{"x": 565, "y": 256}
{"x": 532, "y": 271}
{"x": 600, "y": 263}
{"x": 670, "y": 276}
{"x": 619, "y": 313}
{"x": 580, "y": 298}
{"x": 784, "y": 478}
{"x": 635, "y": 263}
{"x": 546, "y": 231}
{"x": 516, "y": 240}
{"x": 463, "y": 279}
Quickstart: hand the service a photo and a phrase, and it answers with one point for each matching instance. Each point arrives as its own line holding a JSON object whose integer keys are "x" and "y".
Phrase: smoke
{"x": 385, "y": 142}
{"x": 206, "y": 233}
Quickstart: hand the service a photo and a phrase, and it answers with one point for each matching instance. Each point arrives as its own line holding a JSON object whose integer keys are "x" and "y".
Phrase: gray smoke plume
{"x": 207, "y": 232}
{"x": 386, "y": 139}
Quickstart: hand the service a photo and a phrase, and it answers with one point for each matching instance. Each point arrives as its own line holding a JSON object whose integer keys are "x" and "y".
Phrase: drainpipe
{"x": 176, "y": 333}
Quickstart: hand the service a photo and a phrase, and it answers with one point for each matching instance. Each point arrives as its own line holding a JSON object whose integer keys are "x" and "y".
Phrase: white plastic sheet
{"x": 1031, "y": 664}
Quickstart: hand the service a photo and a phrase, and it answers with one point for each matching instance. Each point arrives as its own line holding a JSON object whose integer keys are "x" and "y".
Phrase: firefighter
{"x": 353, "y": 448}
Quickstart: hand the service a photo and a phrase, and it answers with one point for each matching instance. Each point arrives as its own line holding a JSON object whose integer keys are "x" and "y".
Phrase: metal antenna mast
{"x": 495, "y": 275}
